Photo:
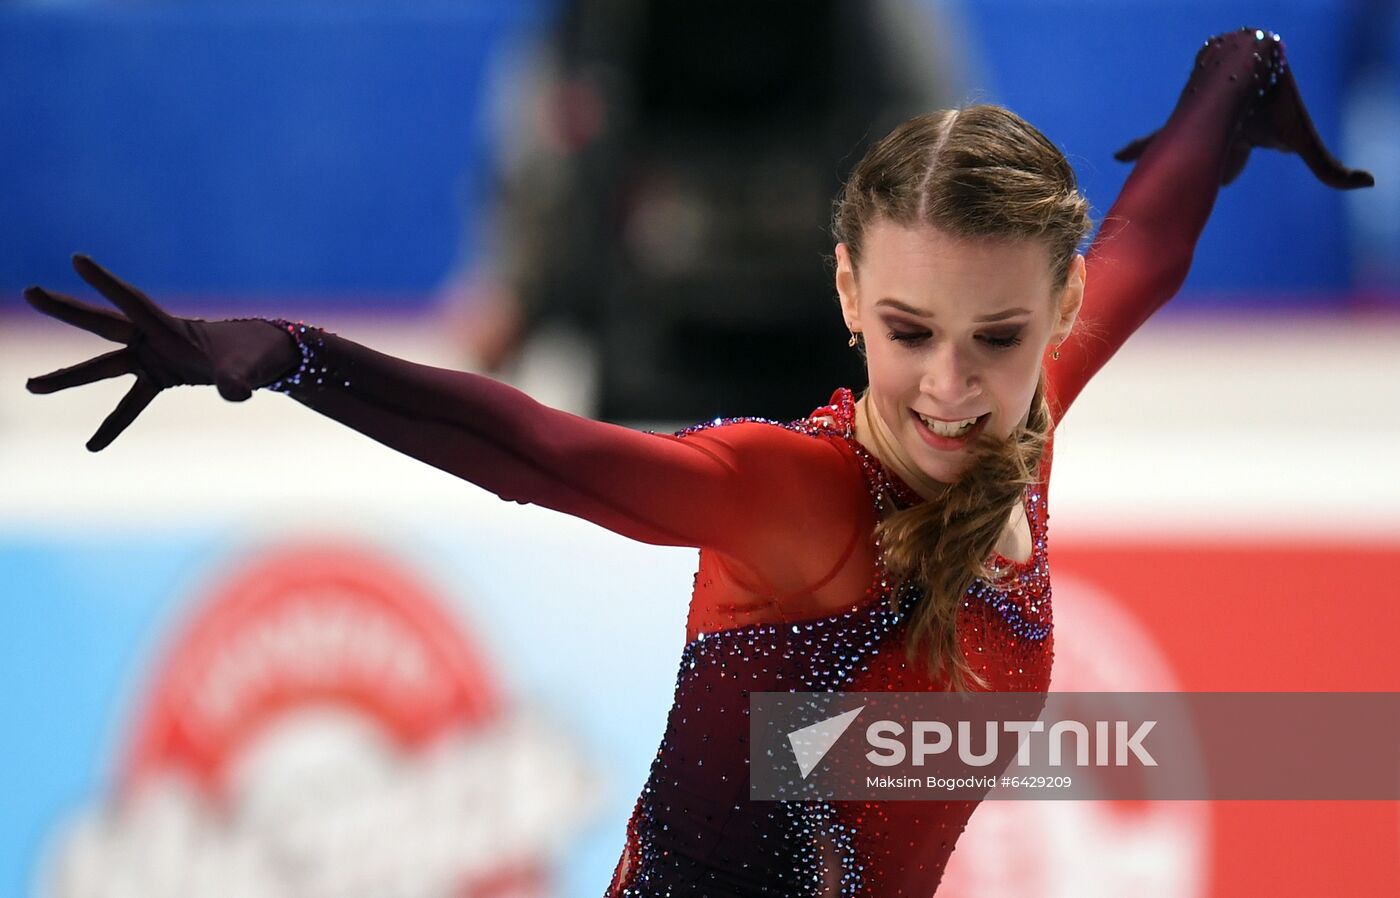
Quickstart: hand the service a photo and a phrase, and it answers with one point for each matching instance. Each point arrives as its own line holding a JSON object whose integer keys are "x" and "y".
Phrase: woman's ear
{"x": 1070, "y": 301}
{"x": 847, "y": 288}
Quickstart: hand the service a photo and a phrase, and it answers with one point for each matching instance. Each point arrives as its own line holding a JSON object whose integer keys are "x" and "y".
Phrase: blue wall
{"x": 1095, "y": 75}
{"x": 335, "y": 150}
{"x": 324, "y": 148}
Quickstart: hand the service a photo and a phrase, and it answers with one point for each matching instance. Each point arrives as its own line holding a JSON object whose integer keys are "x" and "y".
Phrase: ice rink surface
{"x": 1219, "y": 426}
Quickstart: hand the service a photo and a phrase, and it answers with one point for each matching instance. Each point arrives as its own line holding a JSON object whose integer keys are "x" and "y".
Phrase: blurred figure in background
{"x": 661, "y": 199}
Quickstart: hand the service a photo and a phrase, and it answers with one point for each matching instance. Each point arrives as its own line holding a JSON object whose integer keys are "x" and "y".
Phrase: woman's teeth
{"x": 948, "y": 428}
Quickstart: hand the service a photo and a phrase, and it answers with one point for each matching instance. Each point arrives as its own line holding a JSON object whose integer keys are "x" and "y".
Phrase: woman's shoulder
{"x": 823, "y": 436}
{"x": 817, "y": 452}
{"x": 809, "y": 502}
{"x": 835, "y": 419}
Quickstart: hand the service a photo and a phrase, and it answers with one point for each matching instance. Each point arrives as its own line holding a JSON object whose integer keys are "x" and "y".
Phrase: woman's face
{"x": 955, "y": 333}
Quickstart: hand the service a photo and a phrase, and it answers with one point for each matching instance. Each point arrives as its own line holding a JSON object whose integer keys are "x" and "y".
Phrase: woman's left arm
{"x": 1241, "y": 95}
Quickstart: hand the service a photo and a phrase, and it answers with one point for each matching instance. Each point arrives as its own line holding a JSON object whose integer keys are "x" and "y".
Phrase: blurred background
{"x": 245, "y": 651}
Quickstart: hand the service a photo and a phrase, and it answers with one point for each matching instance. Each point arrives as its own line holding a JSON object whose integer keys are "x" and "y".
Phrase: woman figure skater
{"x": 890, "y": 541}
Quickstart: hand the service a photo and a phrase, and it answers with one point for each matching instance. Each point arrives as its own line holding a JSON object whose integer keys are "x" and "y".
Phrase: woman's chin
{"x": 944, "y": 474}
{"x": 942, "y": 467}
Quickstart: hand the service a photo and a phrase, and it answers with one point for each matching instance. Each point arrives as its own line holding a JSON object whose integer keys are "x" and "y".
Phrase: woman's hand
{"x": 1253, "y": 61}
{"x": 160, "y": 349}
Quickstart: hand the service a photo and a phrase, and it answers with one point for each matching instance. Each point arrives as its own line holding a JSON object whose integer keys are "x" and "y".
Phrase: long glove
{"x": 1249, "y": 70}
{"x": 728, "y": 488}
{"x": 1241, "y": 94}
{"x": 161, "y": 350}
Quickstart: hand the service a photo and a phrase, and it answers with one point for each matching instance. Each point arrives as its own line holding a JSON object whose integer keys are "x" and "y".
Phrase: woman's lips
{"x": 949, "y": 443}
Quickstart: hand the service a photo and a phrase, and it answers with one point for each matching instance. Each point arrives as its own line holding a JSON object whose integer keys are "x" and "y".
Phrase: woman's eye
{"x": 908, "y": 337}
{"x": 1001, "y": 341}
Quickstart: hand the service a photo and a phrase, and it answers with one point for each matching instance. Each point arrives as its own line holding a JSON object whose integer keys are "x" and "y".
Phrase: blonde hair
{"x": 977, "y": 171}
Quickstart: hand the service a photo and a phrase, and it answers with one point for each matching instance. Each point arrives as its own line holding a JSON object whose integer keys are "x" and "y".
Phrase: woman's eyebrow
{"x": 1003, "y": 314}
{"x": 921, "y": 313}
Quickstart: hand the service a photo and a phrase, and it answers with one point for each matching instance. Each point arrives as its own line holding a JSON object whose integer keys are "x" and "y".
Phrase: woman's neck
{"x": 871, "y": 434}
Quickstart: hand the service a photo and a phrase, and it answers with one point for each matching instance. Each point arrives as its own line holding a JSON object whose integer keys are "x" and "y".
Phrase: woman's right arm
{"x": 744, "y": 489}
{"x": 752, "y": 491}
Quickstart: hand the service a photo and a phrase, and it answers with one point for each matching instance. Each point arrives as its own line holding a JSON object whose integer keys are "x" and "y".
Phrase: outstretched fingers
{"x": 1329, "y": 170}
{"x": 1308, "y": 144}
{"x": 103, "y": 322}
{"x": 112, "y": 364}
{"x": 137, "y": 306}
{"x": 132, "y": 404}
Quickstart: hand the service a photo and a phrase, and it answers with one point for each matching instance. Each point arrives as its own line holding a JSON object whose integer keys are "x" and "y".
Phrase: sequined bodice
{"x": 695, "y": 831}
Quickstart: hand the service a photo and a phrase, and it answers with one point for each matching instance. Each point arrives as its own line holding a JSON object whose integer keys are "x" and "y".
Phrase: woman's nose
{"x": 950, "y": 379}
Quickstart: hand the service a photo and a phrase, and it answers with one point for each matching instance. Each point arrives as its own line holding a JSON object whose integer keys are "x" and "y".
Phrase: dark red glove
{"x": 161, "y": 350}
{"x": 1274, "y": 118}
{"x": 733, "y": 489}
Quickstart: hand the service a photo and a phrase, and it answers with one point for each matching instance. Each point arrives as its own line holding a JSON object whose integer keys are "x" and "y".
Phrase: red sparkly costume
{"x": 790, "y": 594}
